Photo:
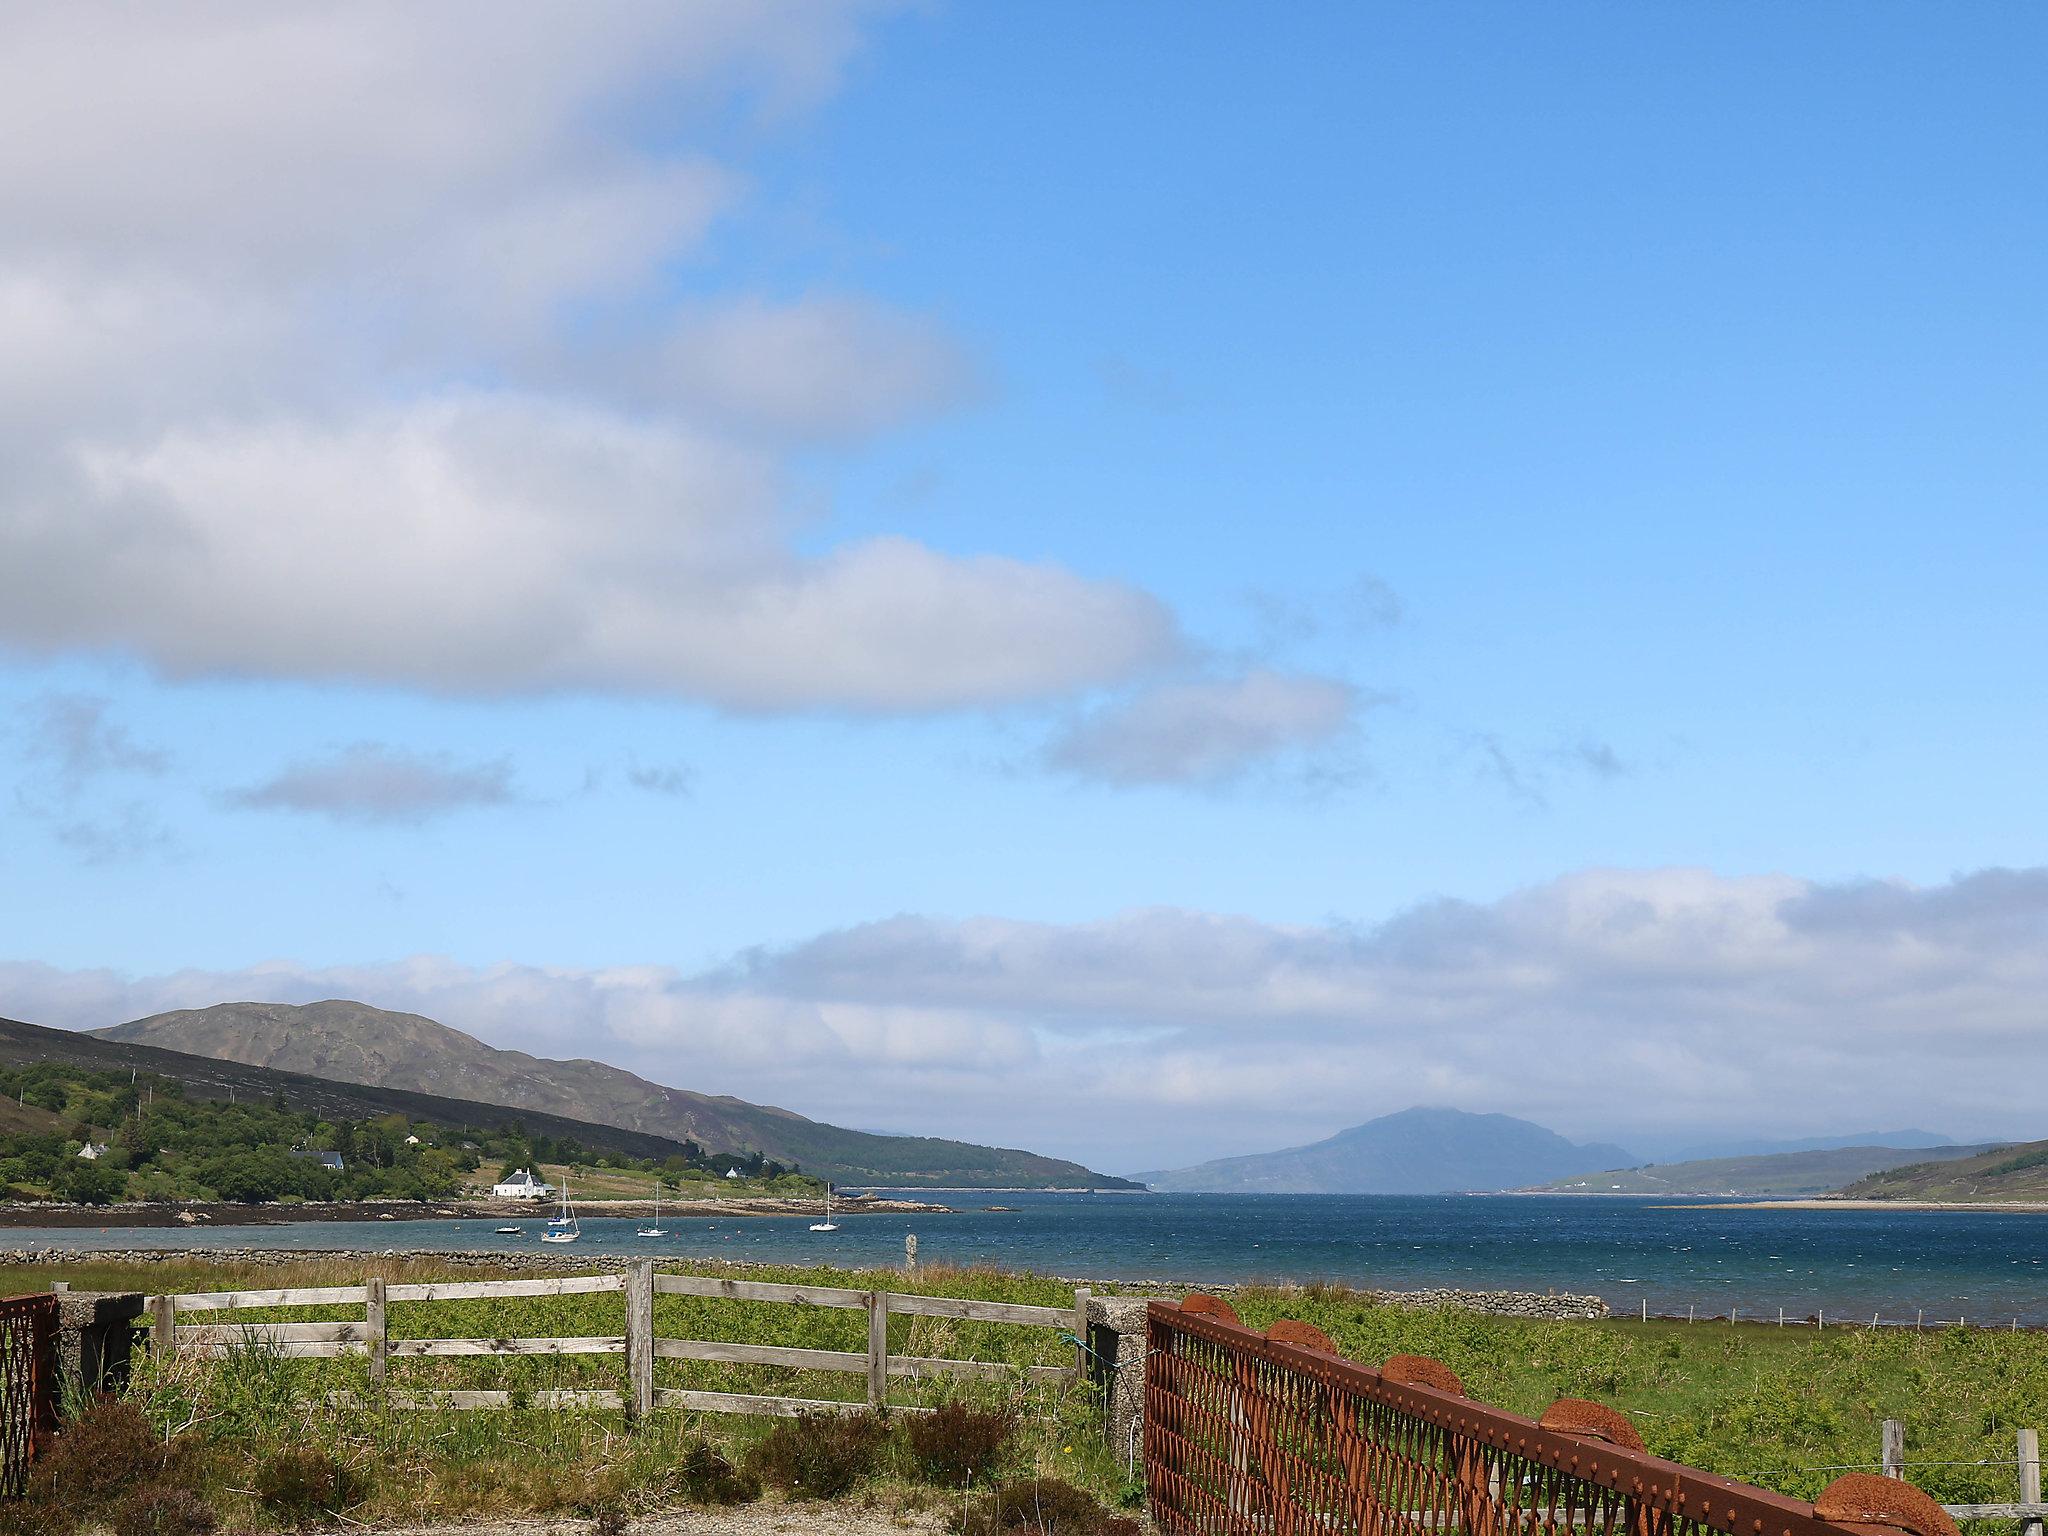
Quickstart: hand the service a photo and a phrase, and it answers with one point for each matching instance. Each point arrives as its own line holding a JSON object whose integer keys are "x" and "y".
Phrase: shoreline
{"x": 1830, "y": 1203}
{"x": 233, "y": 1214}
{"x": 1549, "y": 1306}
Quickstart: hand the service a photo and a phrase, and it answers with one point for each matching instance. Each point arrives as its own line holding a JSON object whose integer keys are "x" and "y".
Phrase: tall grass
{"x": 1781, "y": 1408}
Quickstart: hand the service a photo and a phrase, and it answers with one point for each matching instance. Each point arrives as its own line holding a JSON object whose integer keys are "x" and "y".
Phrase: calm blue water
{"x": 1984, "y": 1267}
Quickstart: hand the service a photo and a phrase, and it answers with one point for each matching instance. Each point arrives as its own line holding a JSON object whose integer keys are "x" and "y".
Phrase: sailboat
{"x": 657, "y": 1230}
{"x": 562, "y": 1228}
{"x": 828, "y": 1224}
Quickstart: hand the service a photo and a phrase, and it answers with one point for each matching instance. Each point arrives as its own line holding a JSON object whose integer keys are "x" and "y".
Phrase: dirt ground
{"x": 741, "y": 1520}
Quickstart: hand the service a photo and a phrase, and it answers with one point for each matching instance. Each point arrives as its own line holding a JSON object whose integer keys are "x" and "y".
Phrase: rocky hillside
{"x": 354, "y": 1042}
{"x": 1415, "y": 1152}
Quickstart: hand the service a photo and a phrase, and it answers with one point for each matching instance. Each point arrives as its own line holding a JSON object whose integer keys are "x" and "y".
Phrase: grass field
{"x": 1783, "y": 1408}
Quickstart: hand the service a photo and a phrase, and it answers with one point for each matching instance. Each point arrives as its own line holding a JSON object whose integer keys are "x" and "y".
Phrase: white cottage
{"x": 522, "y": 1186}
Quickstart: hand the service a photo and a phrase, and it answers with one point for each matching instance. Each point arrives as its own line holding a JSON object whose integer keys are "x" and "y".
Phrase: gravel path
{"x": 740, "y": 1520}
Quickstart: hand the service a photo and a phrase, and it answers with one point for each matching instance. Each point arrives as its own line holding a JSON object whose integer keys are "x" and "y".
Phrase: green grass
{"x": 1781, "y": 1408}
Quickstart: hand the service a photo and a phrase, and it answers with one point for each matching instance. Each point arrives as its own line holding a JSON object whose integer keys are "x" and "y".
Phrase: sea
{"x": 1752, "y": 1262}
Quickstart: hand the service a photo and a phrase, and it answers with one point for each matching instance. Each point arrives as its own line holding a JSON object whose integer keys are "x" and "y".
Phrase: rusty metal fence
{"x": 1278, "y": 1435}
{"x": 28, "y": 1383}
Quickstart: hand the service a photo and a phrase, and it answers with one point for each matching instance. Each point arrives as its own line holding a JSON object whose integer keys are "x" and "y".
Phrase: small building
{"x": 412, "y": 1141}
{"x": 329, "y": 1160}
{"x": 91, "y": 1153}
{"x": 522, "y": 1186}
{"x": 732, "y": 1173}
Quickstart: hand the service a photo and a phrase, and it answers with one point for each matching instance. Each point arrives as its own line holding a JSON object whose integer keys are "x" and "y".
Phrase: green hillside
{"x": 202, "y": 1077}
{"x": 2010, "y": 1174}
{"x": 153, "y": 1143}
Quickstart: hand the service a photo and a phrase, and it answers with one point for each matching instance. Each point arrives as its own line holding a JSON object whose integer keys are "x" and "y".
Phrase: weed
{"x": 157, "y": 1509}
{"x": 708, "y": 1478}
{"x": 303, "y": 1485}
{"x": 957, "y": 1444}
{"x": 612, "y": 1520}
{"x": 820, "y": 1455}
{"x": 1043, "y": 1506}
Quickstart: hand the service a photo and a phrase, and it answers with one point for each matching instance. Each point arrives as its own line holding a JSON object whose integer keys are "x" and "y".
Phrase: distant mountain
{"x": 1695, "y": 1152}
{"x": 2001, "y": 1175}
{"x": 356, "y": 1043}
{"x": 1784, "y": 1174}
{"x": 1415, "y": 1152}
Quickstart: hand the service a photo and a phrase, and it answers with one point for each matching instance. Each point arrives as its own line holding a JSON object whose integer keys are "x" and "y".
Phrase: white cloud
{"x": 1607, "y": 1004}
{"x": 345, "y": 344}
{"x": 371, "y": 782}
{"x": 823, "y": 367}
{"x": 1204, "y": 731}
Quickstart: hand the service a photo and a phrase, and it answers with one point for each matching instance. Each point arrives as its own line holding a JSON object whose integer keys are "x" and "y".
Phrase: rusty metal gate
{"x": 28, "y": 1383}
{"x": 1278, "y": 1435}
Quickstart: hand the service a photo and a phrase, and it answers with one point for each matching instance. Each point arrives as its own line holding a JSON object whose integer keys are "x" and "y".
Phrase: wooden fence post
{"x": 373, "y": 1311}
{"x": 161, "y": 1338}
{"x": 640, "y": 1339}
{"x": 878, "y": 1348}
{"x": 2030, "y": 1479}
{"x": 1894, "y": 1452}
{"x": 1082, "y": 1296}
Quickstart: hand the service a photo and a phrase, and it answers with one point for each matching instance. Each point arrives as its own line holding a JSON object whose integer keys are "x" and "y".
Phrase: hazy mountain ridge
{"x": 1414, "y": 1152}
{"x": 1715, "y": 1151}
{"x": 1783, "y": 1174}
{"x": 358, "y": 1043}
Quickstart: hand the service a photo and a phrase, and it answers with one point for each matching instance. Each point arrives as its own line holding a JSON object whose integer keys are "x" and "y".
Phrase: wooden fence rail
{"x": 639, "y": 1344}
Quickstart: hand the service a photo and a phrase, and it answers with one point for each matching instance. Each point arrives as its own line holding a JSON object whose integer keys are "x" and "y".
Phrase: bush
{"x": 958, "y": 1444}
{"x": 159, "y": 1509}
{"x": 820, "y": 1455}
{"x": 303, "y": 1485}
{"x": 708, "y": 1478}
{"x": 1043, "y": 1506}
{"x": 105, "y": 1453}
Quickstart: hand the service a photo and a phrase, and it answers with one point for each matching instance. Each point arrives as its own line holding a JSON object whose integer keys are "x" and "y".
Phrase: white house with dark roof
{"x": 522, "y": 1186}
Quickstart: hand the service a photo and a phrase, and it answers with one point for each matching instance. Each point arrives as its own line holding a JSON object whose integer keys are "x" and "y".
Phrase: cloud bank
{"x": 355, "y": 345}
{"x": 1604, "y": 1004}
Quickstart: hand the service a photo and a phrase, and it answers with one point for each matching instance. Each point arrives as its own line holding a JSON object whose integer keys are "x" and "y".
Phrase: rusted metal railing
{"x": 1278, "y": 1435}
{"x": 28, "y": 1383}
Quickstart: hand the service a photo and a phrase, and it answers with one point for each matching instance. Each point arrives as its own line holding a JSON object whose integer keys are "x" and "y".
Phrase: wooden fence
{"x": 639, "y": 1344}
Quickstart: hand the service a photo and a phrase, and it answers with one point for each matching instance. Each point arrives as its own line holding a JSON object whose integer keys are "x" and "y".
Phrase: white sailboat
{"x": 562, "y": 1228}
{"x": 828, "y": 1224}
{"x": 657, "y": 1230}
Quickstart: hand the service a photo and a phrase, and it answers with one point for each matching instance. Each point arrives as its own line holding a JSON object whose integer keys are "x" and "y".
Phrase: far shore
{"x": 1830, "y": 1203}
{"x": 505, "y": 1212}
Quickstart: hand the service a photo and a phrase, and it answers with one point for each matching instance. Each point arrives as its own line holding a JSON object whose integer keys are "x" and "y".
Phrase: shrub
{"x": 1043, "y": 1506}
{"x": 958, "y": 1444}
{"x": 304, "y": 1484}
{"x": 708, "y": 1478}
{"x": 820, "y": 1455}
{"x": 105, "y": 1453}
{"x": 158, "y": 1509}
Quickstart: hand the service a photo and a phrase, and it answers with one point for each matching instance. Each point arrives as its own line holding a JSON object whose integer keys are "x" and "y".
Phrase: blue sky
{"x": 692, "y": 537}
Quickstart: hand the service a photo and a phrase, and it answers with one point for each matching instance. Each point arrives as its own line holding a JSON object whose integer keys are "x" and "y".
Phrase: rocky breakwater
{"x": 1549, "y": 1304}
